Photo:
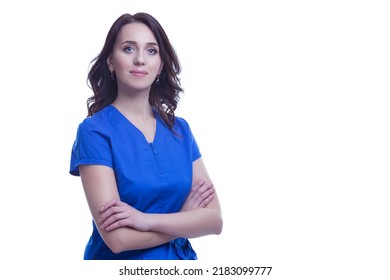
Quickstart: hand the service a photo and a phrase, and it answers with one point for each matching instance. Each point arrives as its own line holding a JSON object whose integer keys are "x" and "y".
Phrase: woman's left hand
{"x": 115, "y": 214}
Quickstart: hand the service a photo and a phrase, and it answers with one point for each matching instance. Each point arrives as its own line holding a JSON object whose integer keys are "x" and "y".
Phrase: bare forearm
{"x": 125, "y": 238}
{"x": 189, "y": 224}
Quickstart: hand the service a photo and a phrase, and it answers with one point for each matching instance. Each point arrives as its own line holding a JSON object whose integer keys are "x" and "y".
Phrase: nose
{"x": 139, "y": 59}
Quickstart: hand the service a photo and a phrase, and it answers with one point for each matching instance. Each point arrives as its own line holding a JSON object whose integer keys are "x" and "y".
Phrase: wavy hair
{"x": 164, "y": 93}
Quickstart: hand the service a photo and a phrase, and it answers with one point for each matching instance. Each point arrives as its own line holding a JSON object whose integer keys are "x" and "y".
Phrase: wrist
{"x": 151, "y": 222}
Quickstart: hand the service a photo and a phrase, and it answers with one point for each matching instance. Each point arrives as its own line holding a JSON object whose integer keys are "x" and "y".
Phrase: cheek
{"x": 122, "y": 64}
{"x": 121, "y": 60}
{"x": 157, "y": 66}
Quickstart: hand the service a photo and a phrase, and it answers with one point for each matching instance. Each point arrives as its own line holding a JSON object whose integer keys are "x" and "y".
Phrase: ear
{"x": 109, "y": 64}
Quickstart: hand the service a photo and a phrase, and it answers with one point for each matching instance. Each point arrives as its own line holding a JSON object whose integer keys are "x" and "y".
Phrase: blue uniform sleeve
{"x": 91, "y": 146}
{"x": 195, "y": 148}
{"x": 187, "y": 131}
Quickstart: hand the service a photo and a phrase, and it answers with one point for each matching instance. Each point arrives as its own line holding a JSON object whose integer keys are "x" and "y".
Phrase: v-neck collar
{"x": 135, "y": 128}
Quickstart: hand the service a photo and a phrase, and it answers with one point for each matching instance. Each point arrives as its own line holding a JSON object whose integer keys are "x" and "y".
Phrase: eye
{"x": 129, "y": 49}
{"x": 152, "y": 51}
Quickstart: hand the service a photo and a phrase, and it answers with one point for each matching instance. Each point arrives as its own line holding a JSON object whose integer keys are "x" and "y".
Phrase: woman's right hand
{"x": 201, "y": 194}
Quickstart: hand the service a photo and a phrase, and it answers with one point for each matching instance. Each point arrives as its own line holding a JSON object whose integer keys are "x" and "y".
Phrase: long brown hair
{"x": 164, "y": 93}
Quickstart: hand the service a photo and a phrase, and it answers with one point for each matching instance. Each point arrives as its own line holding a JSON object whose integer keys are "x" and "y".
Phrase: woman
{"x": 143, "y": 176}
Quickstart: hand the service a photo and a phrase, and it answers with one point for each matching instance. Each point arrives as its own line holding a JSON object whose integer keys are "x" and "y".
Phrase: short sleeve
{"x": 91, "y": 146}
{"x": 195, "y": 151}
{"x": 195, "y": 148}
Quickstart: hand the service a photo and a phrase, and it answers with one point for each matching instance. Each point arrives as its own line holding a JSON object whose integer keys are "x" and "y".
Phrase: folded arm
{"x": 99, "y": 186}
{"x": 201, "y": 214}
{"x": 124, "y": 228}
{"x": 197, "y": 222}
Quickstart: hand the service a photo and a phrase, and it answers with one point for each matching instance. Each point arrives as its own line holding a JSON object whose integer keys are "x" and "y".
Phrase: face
{"x": 135, "y": 58}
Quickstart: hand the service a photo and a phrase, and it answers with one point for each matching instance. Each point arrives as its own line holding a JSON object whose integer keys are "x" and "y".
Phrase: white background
{"x": 289, "y": 103}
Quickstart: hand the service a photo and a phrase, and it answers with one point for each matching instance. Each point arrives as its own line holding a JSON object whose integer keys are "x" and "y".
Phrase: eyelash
{"x": 127, "y": 49}
{"x": 154, "y": 51}
{"x": 131, "y": 49}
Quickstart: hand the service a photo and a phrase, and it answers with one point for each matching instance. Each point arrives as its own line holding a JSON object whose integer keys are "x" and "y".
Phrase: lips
{"x": 139, "y": 73}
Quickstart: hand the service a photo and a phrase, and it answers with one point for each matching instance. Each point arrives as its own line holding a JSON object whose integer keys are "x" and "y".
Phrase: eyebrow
{"x": 135, "y": 43}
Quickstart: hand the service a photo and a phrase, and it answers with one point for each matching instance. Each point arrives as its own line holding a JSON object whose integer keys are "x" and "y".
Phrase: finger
{"x": 113, "y": 226}
{"x": 112, "y": 220}
{"x": 116, "y": 225}
{"x": 197, "y": 185}
{"x": 193, "y": 190}
{"x": 206, "y": 202}
{"x": 204, "y": 196}
{"x": 108, "y": 204}
{"x": 110, "y": 212}
{"x": 204, "y": 188}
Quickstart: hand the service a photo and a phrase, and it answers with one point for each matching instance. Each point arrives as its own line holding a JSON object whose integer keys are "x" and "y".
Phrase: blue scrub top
{"x": 152, "y": 177}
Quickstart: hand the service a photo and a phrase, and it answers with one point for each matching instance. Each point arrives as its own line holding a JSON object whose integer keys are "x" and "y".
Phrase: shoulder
{"x": 182, "y": 125}
{"x": 181, "y": 122}
{"x": 97, "y": 122}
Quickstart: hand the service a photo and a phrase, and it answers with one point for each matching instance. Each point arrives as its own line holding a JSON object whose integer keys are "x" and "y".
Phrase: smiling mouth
{"x": 139, "y": 73}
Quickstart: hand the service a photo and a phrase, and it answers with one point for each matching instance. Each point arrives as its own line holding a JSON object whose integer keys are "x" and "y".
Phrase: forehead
{"x": 136, "y": 32}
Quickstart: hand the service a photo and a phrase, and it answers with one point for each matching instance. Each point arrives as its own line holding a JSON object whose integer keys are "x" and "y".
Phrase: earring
{"x": 112, "y": 75}
{"x": 158, "y": 79}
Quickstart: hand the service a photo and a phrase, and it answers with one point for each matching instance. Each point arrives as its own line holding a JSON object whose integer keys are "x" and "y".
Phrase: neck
{"x": 139, "y": 113}
{"x": 134, "y": 107}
